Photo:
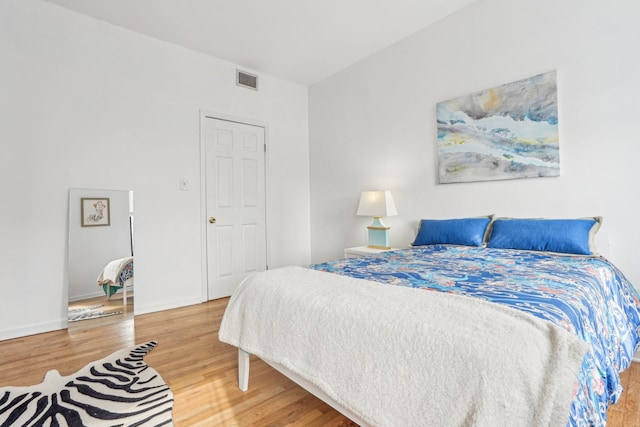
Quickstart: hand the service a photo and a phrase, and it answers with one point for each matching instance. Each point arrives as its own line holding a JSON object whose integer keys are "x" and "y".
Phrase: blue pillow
{"x": 463, "y": 231}
{"x": 572, "y": 236}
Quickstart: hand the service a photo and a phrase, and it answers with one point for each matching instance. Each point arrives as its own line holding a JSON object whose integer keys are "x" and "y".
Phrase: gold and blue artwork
{"x": 507, "y": 132}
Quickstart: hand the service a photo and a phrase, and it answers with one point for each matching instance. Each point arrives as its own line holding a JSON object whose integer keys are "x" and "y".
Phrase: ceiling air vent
{"x": 247, "y": 80}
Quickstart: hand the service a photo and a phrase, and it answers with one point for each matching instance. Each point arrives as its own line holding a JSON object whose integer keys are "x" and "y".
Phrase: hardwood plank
{"x": 632, "y": 390}
{"x": 615, "y": 418}
{"x": 620, "y": 405}
{"x": 202, "y": 371}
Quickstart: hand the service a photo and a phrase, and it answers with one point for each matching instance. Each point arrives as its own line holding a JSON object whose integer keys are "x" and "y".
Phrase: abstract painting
{"x": 507, "y": 132}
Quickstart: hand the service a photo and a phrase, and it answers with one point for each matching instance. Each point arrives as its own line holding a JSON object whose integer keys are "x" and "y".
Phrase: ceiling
{"x": 303, "y": 41}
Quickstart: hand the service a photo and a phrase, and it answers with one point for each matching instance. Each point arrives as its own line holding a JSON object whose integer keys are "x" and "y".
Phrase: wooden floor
{"x": 202, "y": 371}
{"x": 114, "y": 304}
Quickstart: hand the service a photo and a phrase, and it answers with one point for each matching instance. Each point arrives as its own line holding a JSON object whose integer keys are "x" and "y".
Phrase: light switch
{"x": 184, "y": 184}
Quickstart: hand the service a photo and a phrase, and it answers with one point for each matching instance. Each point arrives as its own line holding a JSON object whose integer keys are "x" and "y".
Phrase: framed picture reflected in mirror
{"x": 95, "y": 211}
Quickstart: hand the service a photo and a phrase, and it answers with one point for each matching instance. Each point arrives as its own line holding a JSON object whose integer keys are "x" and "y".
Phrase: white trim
{"x": 98, "y": 293}
{"x": 166, "y": 306}
{"x": 32, "y": 329}
{"x": 203, "y": 193}
{"x": 203, "y": 212}
{"x": 230, "y": 118}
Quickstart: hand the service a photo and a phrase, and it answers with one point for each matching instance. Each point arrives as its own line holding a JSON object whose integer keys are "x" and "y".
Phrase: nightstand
{"x": 359, "y": 251}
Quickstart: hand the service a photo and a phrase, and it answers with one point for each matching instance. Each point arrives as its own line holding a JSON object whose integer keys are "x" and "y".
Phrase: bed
{"x": 116, "y": 275}
{"x": 449, "y": 334}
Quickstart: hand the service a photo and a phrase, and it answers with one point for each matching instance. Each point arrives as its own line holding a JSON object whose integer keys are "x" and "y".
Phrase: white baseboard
{"x": 87, "y": 296}
{"x": 145, "y": 309}
{"x": 36, "y": 328}
{"x": 54, "y": 325}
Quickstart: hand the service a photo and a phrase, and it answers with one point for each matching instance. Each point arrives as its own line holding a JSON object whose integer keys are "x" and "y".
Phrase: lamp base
{"x": 379, "y": 247}
{"x": 378, "y": 234}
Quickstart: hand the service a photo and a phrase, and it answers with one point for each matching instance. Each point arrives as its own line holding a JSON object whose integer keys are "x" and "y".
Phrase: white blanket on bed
{"x": 112, "y": 270}
{"x": 399, "y": 356}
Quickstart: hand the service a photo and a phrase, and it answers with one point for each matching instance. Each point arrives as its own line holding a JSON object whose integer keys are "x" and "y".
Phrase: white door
{"x": 235, "y": 204}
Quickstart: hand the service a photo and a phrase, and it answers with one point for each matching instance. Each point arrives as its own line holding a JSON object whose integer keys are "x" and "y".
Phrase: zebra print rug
{"x": 119, "y": 390}
{"x": 86, "y": 313}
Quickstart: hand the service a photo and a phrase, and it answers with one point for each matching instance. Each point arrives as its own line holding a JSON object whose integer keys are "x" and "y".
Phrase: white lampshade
{"x": 376, "y": 204}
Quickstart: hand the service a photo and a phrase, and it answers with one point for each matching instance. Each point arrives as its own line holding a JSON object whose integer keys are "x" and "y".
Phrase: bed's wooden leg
{"x": 243, "y": 369}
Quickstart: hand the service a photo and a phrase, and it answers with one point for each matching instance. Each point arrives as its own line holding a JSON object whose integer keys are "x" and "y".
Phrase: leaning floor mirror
{"x": 101, "y": 273}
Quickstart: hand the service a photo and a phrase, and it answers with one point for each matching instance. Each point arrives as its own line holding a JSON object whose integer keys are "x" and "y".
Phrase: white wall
{"x": 85, "y": 104}
{"x": 91, "y": 248}
{"x": 373, "y": 125}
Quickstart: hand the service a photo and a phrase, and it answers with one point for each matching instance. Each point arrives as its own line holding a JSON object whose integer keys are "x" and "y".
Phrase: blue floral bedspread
{"x": 586, "y": 295}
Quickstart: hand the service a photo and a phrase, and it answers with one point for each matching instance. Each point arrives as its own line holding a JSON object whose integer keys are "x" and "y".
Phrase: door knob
{"x": 212, "y": 220}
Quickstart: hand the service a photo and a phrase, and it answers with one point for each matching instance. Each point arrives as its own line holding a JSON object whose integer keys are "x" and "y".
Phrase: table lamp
{"x": 377, "y": 204}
